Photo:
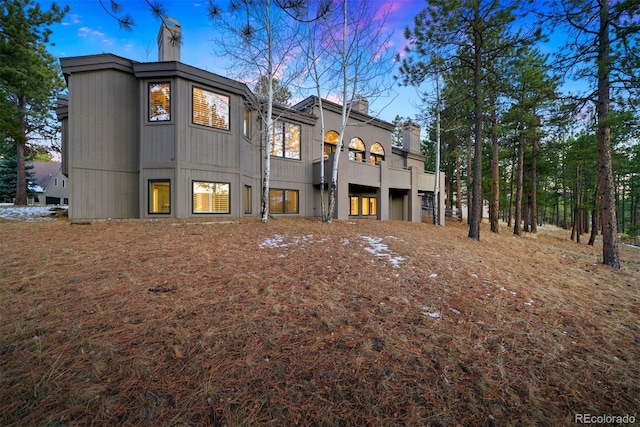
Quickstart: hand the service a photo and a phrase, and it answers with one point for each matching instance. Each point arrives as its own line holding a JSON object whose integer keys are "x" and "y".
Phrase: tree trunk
{"x": 605, "y": 169}
{"x": 458, "y": 185}
{"x": 565, "y": 217}
{"x": 519, "y": 187}
{"x": 494, "y": 210}
{"x": 513, "y": 168}
{"x": 534, "y": 187}
{"x": 469, "y": 179}
{"x": 475, "y": 218}
{"x": 594, "y": 226}
{"x": 21, "y": 178}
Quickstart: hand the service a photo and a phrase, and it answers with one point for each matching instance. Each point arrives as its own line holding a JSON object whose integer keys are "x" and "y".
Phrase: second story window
{"x": 159, "y": 101}
{"x": 376, "y": 154}
{"x": 356, "y": 150}
{"x": 210, "y": 109}
{"x": 286, "y": 140}
{"x": 330, "y": 142}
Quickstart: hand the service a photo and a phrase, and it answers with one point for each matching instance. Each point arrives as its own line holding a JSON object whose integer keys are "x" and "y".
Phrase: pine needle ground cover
{"x": 238, "y": 323}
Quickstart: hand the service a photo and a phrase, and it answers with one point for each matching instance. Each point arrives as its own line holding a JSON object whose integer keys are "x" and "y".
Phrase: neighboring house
{"x": 164, "y": 139}
{"x": 49, "y": 184}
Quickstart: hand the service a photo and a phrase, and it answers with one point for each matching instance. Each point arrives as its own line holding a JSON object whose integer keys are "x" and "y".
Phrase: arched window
{"x": 376, "y": 154}
{"x": 330, "y": 142}
{"x": 356, "y": 150}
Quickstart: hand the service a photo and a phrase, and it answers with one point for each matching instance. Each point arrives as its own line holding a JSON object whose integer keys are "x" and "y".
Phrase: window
{"x": 286, "y": 140}
{"x": 353, "y": 205}
{"x": 283, "y": 201}
{"x": 247, "y": 199}
{"x": 159, "y": 101}
{"x": 210, "y": 197}
{"x": 356, "y": 150}
{"x": 55, "y": 182}
{"x": 63, "y": 183}
{"x": 331, "y": 142}
{"x": 210, "y": 109}
{"x": 246, "y": 122}
{"x": 363, "y": 206}
{"x": 369, "y": 206}
{"x": 159, "y": 196}
{"x": 376, "y": 154}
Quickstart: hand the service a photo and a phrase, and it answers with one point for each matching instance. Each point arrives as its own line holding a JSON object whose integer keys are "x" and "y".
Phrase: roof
{"x": 312, "y": 101}
{"x": 43, "y": 172}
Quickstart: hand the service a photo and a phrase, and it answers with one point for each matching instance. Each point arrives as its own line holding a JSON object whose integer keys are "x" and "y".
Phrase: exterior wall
{"x": 102, "y": 144}
{"x": 184, "y": 152}
{"x": 113, "y": 150}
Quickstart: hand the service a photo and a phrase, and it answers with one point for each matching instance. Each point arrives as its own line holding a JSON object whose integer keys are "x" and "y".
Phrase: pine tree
{"x": 462, "y": 39}
{"x": 604, "y": 48}
{"x": 30, "y": 78}
{"x": 8, "y": 178}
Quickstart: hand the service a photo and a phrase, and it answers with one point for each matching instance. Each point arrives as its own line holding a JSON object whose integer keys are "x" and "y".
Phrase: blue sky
{"x": 88, "y": 30}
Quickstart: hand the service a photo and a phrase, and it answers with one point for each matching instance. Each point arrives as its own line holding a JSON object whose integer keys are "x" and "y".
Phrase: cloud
{"x": 72, "y": 19}
{"x": 86, "y": 31}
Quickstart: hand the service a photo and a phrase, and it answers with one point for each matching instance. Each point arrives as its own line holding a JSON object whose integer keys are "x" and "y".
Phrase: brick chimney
{"x": 169, "y": 39}
{"x": 411, "y": 136}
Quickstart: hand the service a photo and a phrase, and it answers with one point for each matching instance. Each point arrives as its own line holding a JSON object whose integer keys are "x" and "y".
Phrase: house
{"x": 165, "y": 139}
{"x": 49, "y": 184}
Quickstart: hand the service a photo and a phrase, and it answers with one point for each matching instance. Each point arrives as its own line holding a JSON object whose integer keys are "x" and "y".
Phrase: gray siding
{"x": 103, "y": 145}
{"x": 112, "y": 150}
{"x": 115, "y": 193}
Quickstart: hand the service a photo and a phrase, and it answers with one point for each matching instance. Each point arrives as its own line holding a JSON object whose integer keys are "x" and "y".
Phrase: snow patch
{"x": 381, "y": 250}
{"x": 454, "y": 311}
{"x": 26, "y": 213}
{"x": 374, "y": 246}
{"x": 433, "y": 314}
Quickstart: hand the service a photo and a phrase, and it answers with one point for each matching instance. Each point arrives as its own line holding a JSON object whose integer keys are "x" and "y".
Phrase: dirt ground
{"x": 296, "y": 322}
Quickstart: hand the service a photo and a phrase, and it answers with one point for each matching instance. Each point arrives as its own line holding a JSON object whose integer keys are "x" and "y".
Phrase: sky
{"x": 88, "y": 30}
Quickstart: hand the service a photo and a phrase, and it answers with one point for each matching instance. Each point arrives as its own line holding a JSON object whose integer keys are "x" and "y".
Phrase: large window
{"x": 376, "y": 154}
{"x": 210, "y": 197}
{"x": 356, "y": 150}
{"x": 286, "y": 140}
{"x": 159, "y": 196}
{"x": 210, "y": 109}
{"x": 159, "y": 101}
{"x": 283, "y": 201}
{"x": 331, "y": 142}
{"x": 363, "y": 206}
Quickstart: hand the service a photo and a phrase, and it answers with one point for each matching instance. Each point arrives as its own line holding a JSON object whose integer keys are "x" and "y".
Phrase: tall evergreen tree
{"x": 9, "y": 178}
{"x": 30, "y": 78}
{"x": 462, "y": 38}
{"x": 604, "y": 49}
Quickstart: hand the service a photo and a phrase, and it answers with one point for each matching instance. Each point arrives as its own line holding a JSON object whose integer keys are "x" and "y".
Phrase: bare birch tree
{"x": 261, "y": 40}
{"x": 358, "y": 61}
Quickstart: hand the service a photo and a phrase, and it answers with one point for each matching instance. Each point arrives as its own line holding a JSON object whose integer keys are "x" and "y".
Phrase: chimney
{"x": 360, "y": 104}
{"x": 411, "y": 136}
{"x": 169, "y": 39}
